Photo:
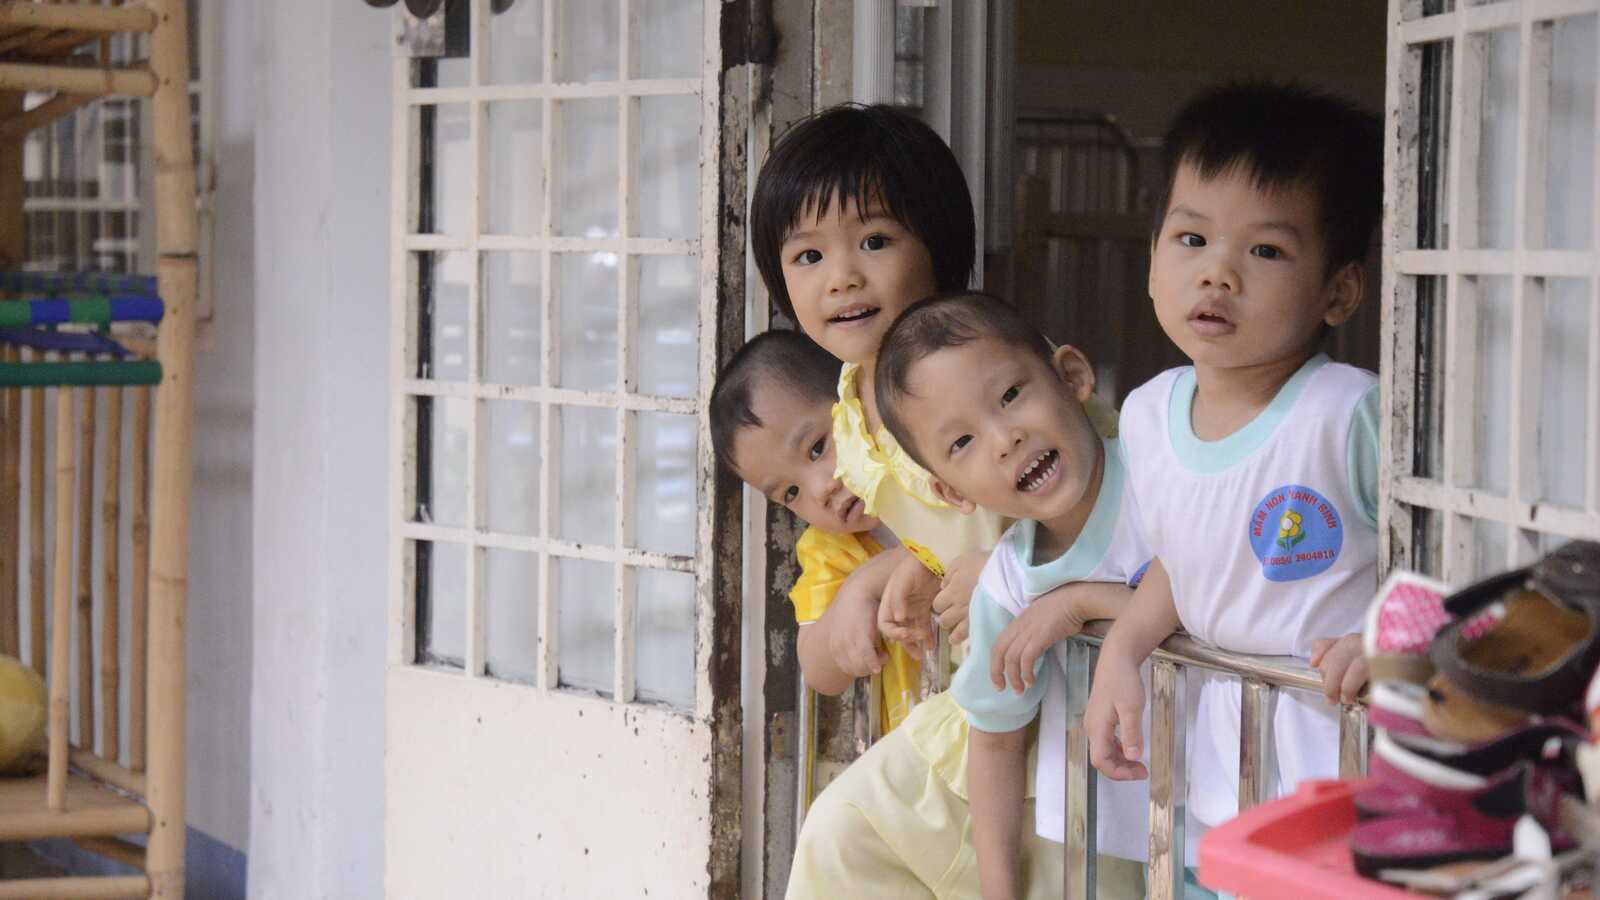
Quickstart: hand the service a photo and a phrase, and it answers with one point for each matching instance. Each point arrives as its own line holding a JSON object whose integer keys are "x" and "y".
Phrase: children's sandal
{"x": 1400, "y": 626}
{"x": 1540, "y": 657}
{"x": 1464, "y": 816}
{"x": 1406, "y": 779}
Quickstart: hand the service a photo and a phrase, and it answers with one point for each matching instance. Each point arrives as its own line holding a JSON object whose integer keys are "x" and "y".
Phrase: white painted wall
{"x": 220, "y": 532}
{"x": 320, "y": 448}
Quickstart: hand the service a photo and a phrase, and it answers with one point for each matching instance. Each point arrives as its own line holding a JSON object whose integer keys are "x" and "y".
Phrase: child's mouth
{"x": 1210, "y": 324}
{"x": 853, "y": 315}
{"x": 848, "y": 511}
{"x": 1039, "y": 472}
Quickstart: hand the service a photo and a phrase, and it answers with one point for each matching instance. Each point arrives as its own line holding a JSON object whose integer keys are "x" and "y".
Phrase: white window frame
{"x": 626, "y": 401}
{"x": 1450, "y": 552}
{"x": 139, "y": 197}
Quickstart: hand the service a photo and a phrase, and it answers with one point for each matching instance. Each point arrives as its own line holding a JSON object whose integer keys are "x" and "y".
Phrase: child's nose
{"x": 844, "y": 275}
{"x": 1218, "y": 272}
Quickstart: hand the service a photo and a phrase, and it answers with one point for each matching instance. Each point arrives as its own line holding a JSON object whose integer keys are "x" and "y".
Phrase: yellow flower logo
{"x": 1289, "y": 533}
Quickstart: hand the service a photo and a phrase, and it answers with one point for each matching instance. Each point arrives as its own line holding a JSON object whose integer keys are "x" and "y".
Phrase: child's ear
{"x": 1075, "y": 371}
{"x": 952, "y": 496}
{"x": 1346, "y": 288}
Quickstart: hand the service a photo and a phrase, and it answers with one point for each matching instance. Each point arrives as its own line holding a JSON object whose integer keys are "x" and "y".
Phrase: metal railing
{"x": 1261, "y": 678}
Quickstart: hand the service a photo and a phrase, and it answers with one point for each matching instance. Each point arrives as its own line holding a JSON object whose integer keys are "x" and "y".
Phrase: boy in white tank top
{"x": 1255, "y": 470}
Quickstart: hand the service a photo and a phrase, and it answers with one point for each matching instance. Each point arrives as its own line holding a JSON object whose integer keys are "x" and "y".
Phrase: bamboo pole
{"x": 140, "y": 607}
{"x": 61, "y": 606}
{"x": 10, "y": 510}
{"x": 111, "y": 586}
{"x": 16, "y": 127}
{"x": 79, "y": 17}
{"x": 85, "y": 595}
{"x": 126, "y": 852}
{"x": 109, "y": 772}
{"x": 89, "y": 887}
{"x": 19, "y": 39}
{"x": 36, "y": 532}
{"x": 172, "y": 472}
{"x": 131, "y": 82}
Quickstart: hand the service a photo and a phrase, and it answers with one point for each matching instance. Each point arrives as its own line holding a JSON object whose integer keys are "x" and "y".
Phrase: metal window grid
{"x": 1413, "y": 499}
{"x": 625, "y": 400}
{"x": 96, "y": 242}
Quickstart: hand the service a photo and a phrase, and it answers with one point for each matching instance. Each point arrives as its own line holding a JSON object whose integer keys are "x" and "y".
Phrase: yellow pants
{"x": 890, "y": 827}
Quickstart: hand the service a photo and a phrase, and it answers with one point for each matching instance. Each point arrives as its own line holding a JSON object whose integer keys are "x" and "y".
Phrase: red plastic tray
{"x": 1297, "y": 846}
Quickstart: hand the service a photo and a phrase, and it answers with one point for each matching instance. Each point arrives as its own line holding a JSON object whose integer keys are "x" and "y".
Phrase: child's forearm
{"x": 815, "y": 645}
{"x": 997, "y": 782}
{"x": 1148, "y": 618}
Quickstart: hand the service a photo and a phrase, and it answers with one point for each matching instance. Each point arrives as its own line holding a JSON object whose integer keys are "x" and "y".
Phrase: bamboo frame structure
{"x": 75, "y": 628}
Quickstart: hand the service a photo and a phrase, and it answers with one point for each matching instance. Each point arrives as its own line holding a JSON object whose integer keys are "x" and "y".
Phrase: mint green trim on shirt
{"x": 1211, "y": 457}
{"x": 1001, "y": 711}
{"x": 1361, "y": 453}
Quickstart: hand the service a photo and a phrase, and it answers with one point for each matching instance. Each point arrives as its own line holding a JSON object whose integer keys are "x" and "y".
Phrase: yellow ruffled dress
{"x": 826, "y": 560}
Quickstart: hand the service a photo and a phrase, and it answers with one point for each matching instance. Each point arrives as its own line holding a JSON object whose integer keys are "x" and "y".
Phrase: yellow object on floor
{"x": 22, "y": 716}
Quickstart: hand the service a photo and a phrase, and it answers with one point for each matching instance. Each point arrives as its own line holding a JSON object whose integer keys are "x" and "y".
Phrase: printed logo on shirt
{"x": 1296, "y": 533}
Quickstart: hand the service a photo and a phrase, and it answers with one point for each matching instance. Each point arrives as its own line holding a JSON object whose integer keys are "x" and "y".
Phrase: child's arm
{"x": 905, "y": 614}
{"x": 955, "y": 593}
{"x": 842, "y": 644}
{"x": 1343, "y": 666}
{"x": 1116, "y": 702}
{"x": 997, "y": 779}
{"x": 1055, "y": 616}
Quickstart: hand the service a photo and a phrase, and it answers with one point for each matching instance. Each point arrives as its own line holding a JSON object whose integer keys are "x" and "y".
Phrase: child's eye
{"x": 817, "y": 449}
{"x": 960, "y": 442}
{"x": 808, "y": 258}
{"x": 1010, "y": 395}
{"x": 791, "y": 495}
{"x": 1267, "y": 251}
{"x": 1190, "y": 239}
{"x": 875, "y": 242}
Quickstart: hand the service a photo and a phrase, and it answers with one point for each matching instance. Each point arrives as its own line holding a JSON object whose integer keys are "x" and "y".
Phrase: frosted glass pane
{"x": 669, "y": 167}
{"x": 448, "y": 279}
{"x": 669, "y": 325}
{"x": 512, "y": 460}
{"x": 665, "y": 637}
{"x": 587, "y": 652}
{"x": 1497, "y": 160}
{"x": 588, "y": 475}
{"x": 1569, "y": 184}
{"x": 588, "y": 35}
{"x": 450, "y": 200}
{"x": 664, "y": 493}
{"x": 442, "y": 631}
{"x": 671, "y": 39}
{"x": 511, "y": 613}
{"x": 445, "y": 500}
{"x": 1564, "y": 393}
{"x": 1493, "y": 401}
{"x": 515, "y": 190}
{"x": 587, "y": 290}
{"x": 516, "y": 43}
{"x": 587, "y": 176}
{"x": 511, "y": 318}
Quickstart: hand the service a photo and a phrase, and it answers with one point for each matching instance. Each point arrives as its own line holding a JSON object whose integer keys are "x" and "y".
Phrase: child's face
{"x": 848, "y": 279}
{"x": 1002, "y": 429}
{"x": 789, "y": 459}
{"x": 1238, "y": 275}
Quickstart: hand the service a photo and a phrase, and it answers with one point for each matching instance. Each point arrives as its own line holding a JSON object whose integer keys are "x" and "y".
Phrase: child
{"x": 976, "y": 395}
{"x": 1255, "y": 470}
{"x": 771, "y": 425}
{"x": 858, "y": 213}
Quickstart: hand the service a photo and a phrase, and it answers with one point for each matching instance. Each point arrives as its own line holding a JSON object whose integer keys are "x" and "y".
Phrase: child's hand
{"x": 853, "y": 633}
{"x": 1053, "y": 617}
{"x": 906, "y": 612}
{"x": 1113, "y": 720}
{"x": 955, "y": 594}
{"x": 1343, "y": 667}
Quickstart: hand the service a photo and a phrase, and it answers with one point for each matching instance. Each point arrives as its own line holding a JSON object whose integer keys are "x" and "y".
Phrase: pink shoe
{"x": 1401, "y": 624}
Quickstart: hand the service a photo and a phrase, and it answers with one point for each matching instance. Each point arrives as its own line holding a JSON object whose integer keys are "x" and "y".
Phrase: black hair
{"x": 1282, "y": 135}
{"x": 780, "y": 357}
{"x": 941, "y": 321}
{"x": 860, "y": 154}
